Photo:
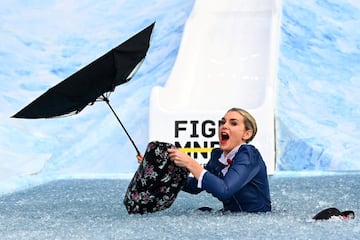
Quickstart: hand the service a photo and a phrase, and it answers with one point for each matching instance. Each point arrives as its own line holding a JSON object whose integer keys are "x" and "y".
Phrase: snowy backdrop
{"x": 318, "y": 113}
{"x": 43, "y": 42}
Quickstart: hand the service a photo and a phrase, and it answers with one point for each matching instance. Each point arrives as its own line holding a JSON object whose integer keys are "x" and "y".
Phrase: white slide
{"x": 227, "y": 58}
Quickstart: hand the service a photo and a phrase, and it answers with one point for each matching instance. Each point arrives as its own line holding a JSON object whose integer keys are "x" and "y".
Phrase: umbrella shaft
{"x": 133, "y": 143}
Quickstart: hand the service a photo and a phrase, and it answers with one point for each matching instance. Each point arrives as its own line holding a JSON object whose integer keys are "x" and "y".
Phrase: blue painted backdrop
{"x": 318, "y": 113}
{"x": 43, "y": 42}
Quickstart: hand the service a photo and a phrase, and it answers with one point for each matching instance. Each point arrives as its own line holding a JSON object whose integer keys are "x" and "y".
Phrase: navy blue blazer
{"x": 244, "y": 187}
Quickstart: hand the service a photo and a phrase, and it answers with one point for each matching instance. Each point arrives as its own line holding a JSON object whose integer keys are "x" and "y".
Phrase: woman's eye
{"x": 233, "y": 123}
{"x": 221, "y": 122}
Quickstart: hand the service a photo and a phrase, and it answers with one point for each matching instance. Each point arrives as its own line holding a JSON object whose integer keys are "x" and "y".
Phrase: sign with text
{"x": 195, "y": 135}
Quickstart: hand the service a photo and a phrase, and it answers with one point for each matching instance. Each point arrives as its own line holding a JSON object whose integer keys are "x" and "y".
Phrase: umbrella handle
{"x": 132, "y": 141}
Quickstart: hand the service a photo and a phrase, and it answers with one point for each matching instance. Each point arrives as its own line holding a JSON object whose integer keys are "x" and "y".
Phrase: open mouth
{"x": 224, "y": 137}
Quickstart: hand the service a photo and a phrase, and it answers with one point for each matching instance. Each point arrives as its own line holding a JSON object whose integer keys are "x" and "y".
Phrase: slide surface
{"x": 227, "y": 58}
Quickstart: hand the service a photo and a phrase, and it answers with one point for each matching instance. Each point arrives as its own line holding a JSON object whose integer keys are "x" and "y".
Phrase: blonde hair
{"x": 249, "y": 121}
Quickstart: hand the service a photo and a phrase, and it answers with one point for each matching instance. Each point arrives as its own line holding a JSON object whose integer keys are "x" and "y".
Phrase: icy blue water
{"x": 92, "y": 209}
{"x": 43, "y": 42}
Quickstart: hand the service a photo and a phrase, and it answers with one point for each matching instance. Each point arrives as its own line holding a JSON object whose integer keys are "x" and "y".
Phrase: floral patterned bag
{"x": 156, "y": 182}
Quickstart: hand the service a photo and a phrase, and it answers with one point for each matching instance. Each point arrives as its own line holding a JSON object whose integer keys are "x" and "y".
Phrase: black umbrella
{"x": 92, "y": 83}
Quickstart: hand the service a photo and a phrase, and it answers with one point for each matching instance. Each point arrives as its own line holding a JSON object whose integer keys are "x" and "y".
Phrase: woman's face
{"x": 232, "y": 131}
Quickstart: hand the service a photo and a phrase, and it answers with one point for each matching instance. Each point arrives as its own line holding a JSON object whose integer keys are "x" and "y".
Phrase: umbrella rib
{"x": 133, "y": 143}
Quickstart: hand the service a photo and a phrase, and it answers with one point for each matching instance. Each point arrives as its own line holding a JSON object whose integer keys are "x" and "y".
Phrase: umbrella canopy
{"x": 92, "y": 83}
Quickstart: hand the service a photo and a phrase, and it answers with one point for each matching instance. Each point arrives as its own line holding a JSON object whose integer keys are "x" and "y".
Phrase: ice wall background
{"x": 318, "y": 89}
{"x": 43, "y": 42}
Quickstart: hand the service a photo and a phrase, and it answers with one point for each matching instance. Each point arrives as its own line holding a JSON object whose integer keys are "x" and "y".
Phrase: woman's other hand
{"x": 139, "y": 158}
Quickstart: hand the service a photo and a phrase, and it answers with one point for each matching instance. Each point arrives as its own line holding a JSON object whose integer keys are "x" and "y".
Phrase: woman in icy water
{"x": 236, "y": 173}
